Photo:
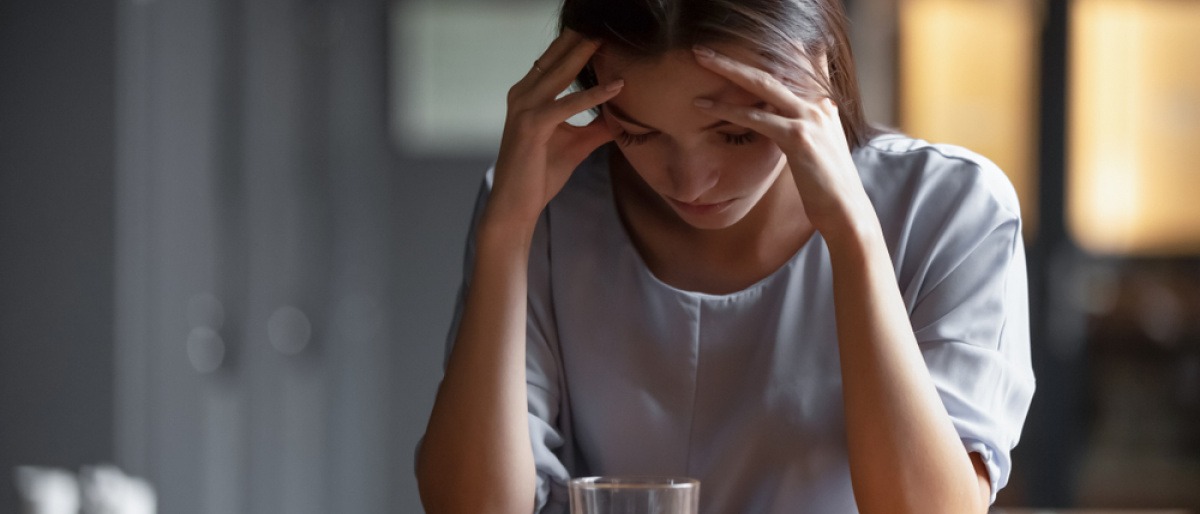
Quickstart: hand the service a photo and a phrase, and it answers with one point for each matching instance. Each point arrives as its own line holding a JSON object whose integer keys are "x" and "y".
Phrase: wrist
{"x": 510, "y": 212}
{"x": 501, "y": 225}
{"x": 854, "y": 229}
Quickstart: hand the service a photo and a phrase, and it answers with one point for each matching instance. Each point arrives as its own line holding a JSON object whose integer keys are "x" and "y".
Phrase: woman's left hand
{"x": 809, "y": 132}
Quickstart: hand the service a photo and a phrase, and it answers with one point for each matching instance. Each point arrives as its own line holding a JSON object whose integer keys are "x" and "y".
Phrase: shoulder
{"x": 904, "y": 172}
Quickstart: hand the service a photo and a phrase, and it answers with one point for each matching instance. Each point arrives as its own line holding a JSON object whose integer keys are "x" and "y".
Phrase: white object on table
{"x": 108, "y": 490}
{"x": 47, "y": 490}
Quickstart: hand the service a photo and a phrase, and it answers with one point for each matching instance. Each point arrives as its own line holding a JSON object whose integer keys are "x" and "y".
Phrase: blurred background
{"x": 231, "y": 230}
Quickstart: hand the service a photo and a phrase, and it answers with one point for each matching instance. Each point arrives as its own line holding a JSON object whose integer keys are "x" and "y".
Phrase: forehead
{"x": 660, "y": 90}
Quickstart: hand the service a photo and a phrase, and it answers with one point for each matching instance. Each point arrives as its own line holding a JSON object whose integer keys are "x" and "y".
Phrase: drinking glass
{"x": 635, "y": 495}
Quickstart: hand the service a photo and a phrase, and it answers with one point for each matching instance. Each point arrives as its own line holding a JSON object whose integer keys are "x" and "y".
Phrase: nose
{"x": 692, "y": 173}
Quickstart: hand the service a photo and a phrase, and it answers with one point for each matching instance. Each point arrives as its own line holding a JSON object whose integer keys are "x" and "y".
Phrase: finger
{"x": 559, "y": 75}
{"x": 756, "y": 81}
{"x": 581, "y": 141}
{"x": 558, "y": 47}
{"x": 772, "y": 125}
{"x": 580, "y": 101}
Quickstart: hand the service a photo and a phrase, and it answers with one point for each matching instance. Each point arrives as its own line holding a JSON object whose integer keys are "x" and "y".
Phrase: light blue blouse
{"x": 630, "y": 376}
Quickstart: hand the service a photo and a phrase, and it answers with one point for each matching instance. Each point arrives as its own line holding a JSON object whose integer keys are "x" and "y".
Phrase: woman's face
{"x": 709, "y": 172}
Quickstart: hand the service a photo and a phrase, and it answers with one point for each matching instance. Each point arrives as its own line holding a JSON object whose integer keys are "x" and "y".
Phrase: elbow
{"x": 968, "y": 507}
{"x": 971, "y": 502}
{"x": 452, "y": 500}
{"x": 436, "y": 486}
{"x": 457, "y": 490}
{"x": 949, "y": 499}
{"x": 965, "y": 499}
{"x": 429, "y": 488}
{"x": 977, "y": 507}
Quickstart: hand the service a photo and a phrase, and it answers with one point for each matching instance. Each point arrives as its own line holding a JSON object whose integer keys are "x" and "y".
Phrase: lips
{"x": 699, "y": 209}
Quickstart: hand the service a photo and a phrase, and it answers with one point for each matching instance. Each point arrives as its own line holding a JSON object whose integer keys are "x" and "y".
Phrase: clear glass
{"x": 635, "y": 495}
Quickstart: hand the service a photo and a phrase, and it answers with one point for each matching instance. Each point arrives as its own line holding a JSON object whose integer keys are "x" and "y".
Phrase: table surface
{"x": 1089, "y": 511}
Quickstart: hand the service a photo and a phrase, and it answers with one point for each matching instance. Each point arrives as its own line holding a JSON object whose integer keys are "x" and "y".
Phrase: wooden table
{"x": 1089, "y": 511}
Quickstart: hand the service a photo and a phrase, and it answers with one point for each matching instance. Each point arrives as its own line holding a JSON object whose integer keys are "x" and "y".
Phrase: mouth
{"x": 699, "y": 209}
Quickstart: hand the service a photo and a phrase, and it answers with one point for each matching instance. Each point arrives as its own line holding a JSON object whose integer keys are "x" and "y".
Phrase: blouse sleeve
{"x": 543, "y": 382}
{"x": 968, "y": 303}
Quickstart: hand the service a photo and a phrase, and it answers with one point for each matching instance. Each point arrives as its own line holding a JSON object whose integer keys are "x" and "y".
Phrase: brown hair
{"x": 784, "y": 33}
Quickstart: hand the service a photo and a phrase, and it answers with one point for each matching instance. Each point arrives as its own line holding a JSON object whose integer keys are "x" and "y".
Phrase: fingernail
{"x": 615, "y": 85}
{"x": 703, "y": 51}
{"x": 702, "y": 103}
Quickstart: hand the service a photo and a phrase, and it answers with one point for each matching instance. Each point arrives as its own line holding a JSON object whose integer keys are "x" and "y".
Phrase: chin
{"x": 723, "y": 219}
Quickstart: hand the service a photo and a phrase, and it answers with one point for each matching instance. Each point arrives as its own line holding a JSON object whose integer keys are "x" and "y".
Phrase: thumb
{"x": 587, "y": 138}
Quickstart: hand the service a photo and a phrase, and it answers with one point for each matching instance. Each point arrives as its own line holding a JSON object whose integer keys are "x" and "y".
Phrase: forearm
{"x": 476, "y": 455}
{"x": 905, "y": 455}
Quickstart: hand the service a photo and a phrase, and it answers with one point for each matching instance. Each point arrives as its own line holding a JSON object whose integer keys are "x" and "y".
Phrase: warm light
{"x": 1134, "y": 161}
{"x": 968, "y": 71}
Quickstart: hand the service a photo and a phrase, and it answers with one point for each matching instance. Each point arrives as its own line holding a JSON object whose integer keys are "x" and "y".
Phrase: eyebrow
{"x": 623, "y": 116}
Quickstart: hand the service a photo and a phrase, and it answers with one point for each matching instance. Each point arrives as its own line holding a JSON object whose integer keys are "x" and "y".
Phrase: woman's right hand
{"x": 539, "y": 149}
{"x": 477, "y": 454}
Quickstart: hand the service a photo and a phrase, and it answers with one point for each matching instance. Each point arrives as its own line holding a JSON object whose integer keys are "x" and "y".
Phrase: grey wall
{"x": 151, "y": 151}
{"x": 254, "y": 166}
{"x": 56, "y": 234}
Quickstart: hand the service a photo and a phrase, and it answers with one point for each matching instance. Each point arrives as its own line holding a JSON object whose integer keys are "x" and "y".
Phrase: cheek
{"x": 647, "y": 161}
{"x": 753, "y": 164}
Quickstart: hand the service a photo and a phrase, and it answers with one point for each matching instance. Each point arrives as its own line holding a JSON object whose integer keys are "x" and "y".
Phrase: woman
{"x": 728, "y": 275}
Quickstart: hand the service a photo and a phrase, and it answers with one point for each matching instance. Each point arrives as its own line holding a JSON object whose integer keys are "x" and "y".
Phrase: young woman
{"x": 729, "y": 275}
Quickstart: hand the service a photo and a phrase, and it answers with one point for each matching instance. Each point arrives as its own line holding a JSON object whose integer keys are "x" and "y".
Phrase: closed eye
{"x": 740, "y": 139}
{"x": 627, "y": 139}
